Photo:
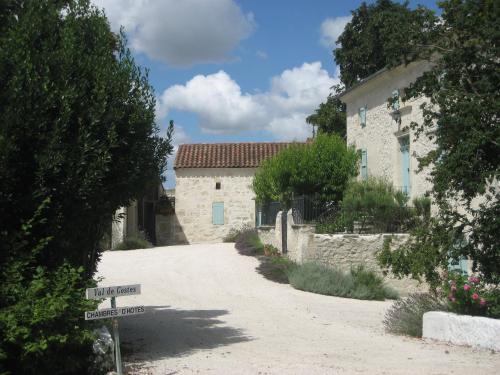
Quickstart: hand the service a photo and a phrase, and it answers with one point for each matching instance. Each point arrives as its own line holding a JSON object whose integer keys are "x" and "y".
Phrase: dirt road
{"x": 210, "y": 312}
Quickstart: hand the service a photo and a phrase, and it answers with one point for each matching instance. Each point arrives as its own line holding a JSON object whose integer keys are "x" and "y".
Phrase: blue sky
{"x": 235, "y": 70}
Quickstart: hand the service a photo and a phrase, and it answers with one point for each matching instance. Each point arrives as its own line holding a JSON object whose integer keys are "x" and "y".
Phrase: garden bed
{"x": 469, "y": 330}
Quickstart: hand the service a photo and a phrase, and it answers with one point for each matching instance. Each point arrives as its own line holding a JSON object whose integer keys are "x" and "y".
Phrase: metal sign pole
{"x": 116, "y": 335}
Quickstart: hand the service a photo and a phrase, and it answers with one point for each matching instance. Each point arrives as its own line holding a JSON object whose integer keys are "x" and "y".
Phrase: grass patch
{"x": 248, "y": 242}
{"x": 234, "y": 233}
{"x": 133, "y": 242}
{"x": 275, "y": 268}
{"x": 358, "y": 283}
{"x": 405, "y": 316}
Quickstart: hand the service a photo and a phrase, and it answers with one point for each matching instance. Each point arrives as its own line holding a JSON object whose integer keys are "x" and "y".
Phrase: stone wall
{"x": 118, "y": 227}
{"x": 195, "y": 193}
{"x": 341, "y": 250}
{"x": 381, "y": 135}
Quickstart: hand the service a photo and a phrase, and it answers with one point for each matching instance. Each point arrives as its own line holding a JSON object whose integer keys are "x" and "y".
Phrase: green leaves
{"x": 78, "y": 140}
{"x": 321, "y": 168}
{"x": 330, "y": 117}
{"x": 380, "y": 35}
{"x": 464, "y": 106}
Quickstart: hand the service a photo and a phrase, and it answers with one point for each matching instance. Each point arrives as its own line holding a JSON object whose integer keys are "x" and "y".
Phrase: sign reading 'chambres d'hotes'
{"x": 114, "y": 312}
{"x": 113, "y": 291}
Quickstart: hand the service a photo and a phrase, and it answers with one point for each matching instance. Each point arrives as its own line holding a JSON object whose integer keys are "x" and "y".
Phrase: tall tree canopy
{"x": 330, "y": 117}
{"x": 321, "y": 168}
{"x": 78, "y": 140}
{"x": 381, "y": 34}
{"x": 462, "y": 116}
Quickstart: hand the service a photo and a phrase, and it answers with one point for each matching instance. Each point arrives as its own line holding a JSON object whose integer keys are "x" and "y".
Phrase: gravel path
{"x": 210, "y": 312}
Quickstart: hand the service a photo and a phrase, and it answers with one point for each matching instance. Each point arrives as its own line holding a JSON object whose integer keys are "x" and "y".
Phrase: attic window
{"x": 217, "y": 186}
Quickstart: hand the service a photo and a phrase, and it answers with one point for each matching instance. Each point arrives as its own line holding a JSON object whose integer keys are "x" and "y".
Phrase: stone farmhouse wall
{"x": 195, "y": 193}
{"x": 341, "y": 250}
{"x": 382, "y": 133}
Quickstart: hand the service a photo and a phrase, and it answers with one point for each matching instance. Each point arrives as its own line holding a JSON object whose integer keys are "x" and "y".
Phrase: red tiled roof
{"x": 226, "y": 155}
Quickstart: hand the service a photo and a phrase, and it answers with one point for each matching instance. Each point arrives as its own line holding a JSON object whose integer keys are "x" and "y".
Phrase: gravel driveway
{"x": 209, "y": 312}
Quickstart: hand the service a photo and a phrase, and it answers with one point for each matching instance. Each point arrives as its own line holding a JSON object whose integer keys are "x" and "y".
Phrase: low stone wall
{"x": 341, "y": 251}
{"x": 271, "y": 234}
{"x": 345, "y": 251}
{"x": 462, "y": 329}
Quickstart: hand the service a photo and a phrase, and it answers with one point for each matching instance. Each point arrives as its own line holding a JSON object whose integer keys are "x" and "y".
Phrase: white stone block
{"x": 475, "y": 331}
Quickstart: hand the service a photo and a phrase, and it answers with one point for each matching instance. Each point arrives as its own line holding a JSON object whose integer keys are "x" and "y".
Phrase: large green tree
{"x": 384, "y": 33}
{"x": 462, "y": 116}
{"x": 321, "y": 169}
{"x": 78, "y": 139}
{"x": 330, "y": 117}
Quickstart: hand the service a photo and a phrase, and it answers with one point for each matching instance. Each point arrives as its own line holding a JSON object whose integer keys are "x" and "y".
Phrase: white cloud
{"x": 261, "y": 55}
{"x": 223, "y": 108}
{"x": 216, "y": 99}
{"x": 181, "y": 33}
{"x": 330, "y": 30}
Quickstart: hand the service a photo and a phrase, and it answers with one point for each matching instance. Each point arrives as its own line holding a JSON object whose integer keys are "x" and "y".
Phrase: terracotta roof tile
{"x": 226, "y": 155}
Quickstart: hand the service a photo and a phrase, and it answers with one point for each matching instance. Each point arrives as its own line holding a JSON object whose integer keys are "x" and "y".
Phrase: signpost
{"x": 114, "y": 312}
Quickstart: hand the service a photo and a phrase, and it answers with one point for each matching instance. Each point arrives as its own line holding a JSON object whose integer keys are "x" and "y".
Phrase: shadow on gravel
{"x": 164, "y": 332}
{"x": 273, "y": 268}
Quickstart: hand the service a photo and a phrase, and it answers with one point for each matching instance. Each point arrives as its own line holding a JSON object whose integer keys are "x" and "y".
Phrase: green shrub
{"x": 234, "y": 232}
{"x": 375, "y": 206}
{"x": 300, "y": 170}
{"x": 44, "y": 319}
{"x": 132, "y": 242}
{"x": 358, "y": 283}
{"x": 275, "y": 268}
{"x": 405, "y": 316}
{"x": 248, "y": 242}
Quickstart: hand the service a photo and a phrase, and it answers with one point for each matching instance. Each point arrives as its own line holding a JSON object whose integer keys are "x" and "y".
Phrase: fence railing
{"x": 265, "y": 213}
{"x": 329, "y": 217}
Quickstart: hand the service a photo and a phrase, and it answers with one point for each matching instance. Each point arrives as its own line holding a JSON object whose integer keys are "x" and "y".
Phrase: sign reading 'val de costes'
{"x": 113, "y": 291}
{"x": 114, "y": 312}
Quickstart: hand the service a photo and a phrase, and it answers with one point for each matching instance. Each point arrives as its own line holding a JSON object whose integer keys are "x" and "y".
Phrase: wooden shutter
{"x": 218, "y": 213}
{"x": 364, "y": 164}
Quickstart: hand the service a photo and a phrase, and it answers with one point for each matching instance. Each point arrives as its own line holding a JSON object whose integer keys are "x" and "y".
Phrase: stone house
{"x": 214, "y": 188}
{"x": 389, "y": 148}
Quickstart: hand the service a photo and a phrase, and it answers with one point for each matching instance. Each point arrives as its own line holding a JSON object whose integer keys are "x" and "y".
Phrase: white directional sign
{"x": 114, "y": 312}
{"x": 113, "y": 291}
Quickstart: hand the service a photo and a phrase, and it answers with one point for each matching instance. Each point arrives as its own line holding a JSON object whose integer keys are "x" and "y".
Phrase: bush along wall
{"x": 78, "y": 140}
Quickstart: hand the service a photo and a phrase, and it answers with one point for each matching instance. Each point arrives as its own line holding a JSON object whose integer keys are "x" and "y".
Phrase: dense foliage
{"x": 320, "y": 168}
{"x": 359, "y": 283}
{"x": 134, "y": 241}
{"x": 77, "y": 140}
{"x": 382, "y": 34}
{"x": 462, "y": 117}
{"x": 330, "y": 117}
{"x": 374, "y": 206}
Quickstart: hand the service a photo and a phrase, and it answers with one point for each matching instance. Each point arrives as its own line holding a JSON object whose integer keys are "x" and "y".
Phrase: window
{"x": 362, "y": 116}
{"x": 218, "y": 213}
{"x": 395, "y": 100}
{"x": 217, "y": 186}
{"x": 364, "y": 164}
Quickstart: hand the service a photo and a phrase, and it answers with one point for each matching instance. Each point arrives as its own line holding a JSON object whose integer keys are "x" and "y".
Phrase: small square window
{"x": 217, "y": 186}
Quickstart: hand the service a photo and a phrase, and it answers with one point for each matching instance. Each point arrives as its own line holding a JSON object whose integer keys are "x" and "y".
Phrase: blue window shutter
{"x": 218, "y": 213}
{"x": 364, "y": 164}
{"x": 395, "y": 97}
{"x": 362, "y": 116}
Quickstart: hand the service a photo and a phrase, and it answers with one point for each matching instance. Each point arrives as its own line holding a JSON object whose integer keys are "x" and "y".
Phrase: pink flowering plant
{"x": 466, "y": 294}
